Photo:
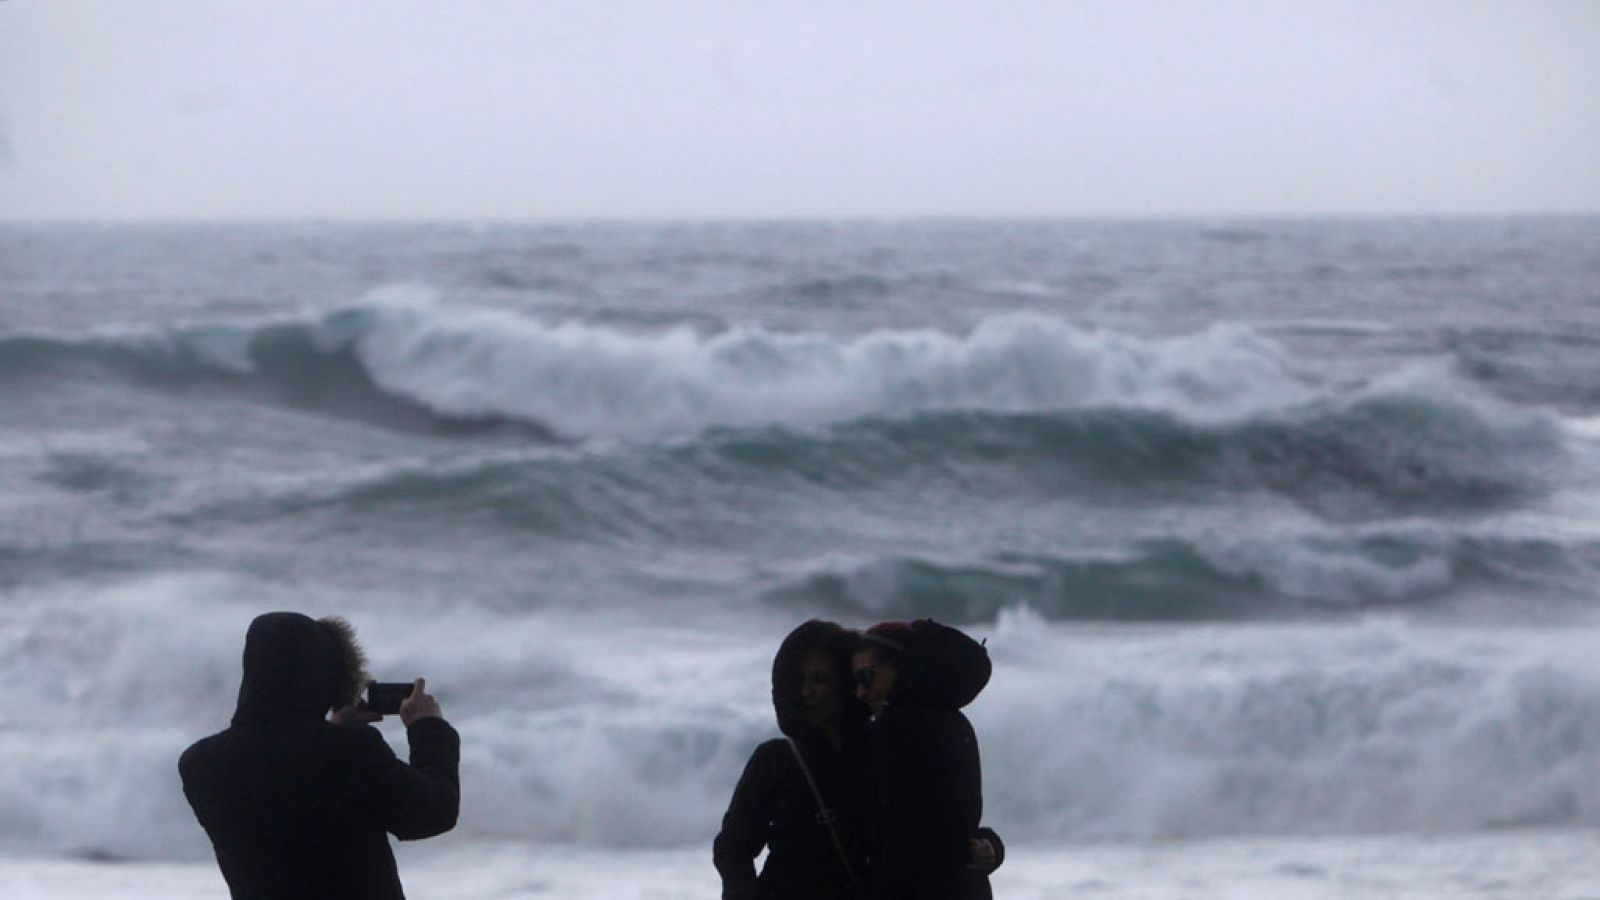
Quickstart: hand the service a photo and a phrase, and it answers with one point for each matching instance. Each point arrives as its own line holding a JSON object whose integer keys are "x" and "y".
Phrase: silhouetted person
{"x": 298, "y": 806}
{"x": 774, "y": 806}
{"x": 926, "y": 785}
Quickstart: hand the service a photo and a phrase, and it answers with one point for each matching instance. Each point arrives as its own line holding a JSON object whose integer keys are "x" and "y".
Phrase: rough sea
{"x": 1284, "y": 534}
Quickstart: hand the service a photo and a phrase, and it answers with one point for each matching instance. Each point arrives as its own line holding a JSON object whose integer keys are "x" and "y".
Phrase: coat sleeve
{"x": 746, "y": 828}
{"x": 993, "y": 837}
{"x": 420, "y": 799}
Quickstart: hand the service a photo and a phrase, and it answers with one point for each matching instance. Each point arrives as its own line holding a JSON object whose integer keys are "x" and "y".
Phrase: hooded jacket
{"x": 772, "y": 805}
{"x": 927, "y": 784}
{"x": 298, "y": 808}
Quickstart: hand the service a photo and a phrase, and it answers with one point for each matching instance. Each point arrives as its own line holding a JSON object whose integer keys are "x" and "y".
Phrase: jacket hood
{"x": 938, "y": 666}
{"x": 833, "y": 640}
{"x": 297, "y": 667}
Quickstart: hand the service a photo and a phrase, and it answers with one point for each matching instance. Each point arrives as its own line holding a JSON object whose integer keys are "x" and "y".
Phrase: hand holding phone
{"x": 385, "y": 697}
{"x": 411, "y": 701}
{"x": 420, "y": 705}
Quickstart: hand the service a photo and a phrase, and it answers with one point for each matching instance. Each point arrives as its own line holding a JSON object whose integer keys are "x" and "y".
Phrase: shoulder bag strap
{"x": 825, "y": 816}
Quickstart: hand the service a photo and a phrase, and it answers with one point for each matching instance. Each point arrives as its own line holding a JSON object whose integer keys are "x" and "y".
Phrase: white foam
{"x": 588, "y": 380}
{"x": 1418, "y": 867}
{"x": 1144, "y": 733}
{"x": 1331, "y": 574}
{"x": 1586, "y": 428}
{"x": 612, "y": 729}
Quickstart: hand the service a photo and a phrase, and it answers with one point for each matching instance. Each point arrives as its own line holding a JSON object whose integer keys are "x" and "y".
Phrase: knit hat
{"x": 892, "y": 635}
{"x": 937, "y": 665}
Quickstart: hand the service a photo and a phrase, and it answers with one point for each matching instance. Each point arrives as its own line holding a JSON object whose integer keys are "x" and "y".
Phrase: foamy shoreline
{"x": 1551, "y": 865}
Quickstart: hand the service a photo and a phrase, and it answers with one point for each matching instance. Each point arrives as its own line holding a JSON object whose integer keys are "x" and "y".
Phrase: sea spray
{"x": 575, "y": 734}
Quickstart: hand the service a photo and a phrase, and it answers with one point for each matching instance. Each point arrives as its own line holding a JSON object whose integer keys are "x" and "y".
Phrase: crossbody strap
{"x": 825, "y": 816}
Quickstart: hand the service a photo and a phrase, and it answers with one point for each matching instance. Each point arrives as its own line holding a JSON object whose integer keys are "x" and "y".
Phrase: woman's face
{"x": 874, "y": 679}
{"x": 819, "y": 688}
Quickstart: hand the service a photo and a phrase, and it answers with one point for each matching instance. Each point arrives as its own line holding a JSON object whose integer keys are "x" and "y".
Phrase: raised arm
{"x": 423, "y": 798}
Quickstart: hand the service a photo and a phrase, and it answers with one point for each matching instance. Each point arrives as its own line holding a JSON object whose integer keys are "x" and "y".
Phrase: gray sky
{"x": 210, "y": 108}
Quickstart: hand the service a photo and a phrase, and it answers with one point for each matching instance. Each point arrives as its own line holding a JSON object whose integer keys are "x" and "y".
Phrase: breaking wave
{"x": 1379, "y": 728}
{"x": 1033, "y": 396}
{"x": 1175, "y": 579}
{"x": 584, "y": 381}
{"x": 1375, "y": 455}
{"x": 1366, "y": 727}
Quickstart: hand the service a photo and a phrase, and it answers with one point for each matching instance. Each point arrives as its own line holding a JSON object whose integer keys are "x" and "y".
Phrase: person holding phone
{"x": 299, "y": 795}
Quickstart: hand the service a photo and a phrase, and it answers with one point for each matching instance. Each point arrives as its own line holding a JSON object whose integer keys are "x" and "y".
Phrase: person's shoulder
{"x": 200, "y": 745}
{"x": 769, "y": 756}
{"x": 771, "y": 761}
{"x": 771, "y": 750}
{"x": 209, "y": 760}
{"x": 203, "y": 749}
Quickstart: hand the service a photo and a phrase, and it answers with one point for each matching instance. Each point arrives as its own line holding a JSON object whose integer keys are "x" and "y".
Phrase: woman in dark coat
{"x": 926, "y": 785}
{"x": 774, "y": 807}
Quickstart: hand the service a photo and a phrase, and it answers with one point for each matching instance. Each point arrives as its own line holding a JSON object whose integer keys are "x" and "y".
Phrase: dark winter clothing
{"x": 927, "y": 785}
{"x": 772, "y": 805}
{"x": 297, "y": 808}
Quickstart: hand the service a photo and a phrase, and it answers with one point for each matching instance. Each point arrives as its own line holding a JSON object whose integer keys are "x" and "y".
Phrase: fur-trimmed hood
{"x": 298, "y": 667}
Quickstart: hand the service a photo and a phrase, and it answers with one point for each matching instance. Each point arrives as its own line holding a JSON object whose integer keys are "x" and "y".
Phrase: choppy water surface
{"x": 1275, "y": 528}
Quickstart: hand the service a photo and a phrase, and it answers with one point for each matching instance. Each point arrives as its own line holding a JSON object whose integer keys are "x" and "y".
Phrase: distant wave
{"x": 298, "y": 364}
{"x": 837, "y": 289}
{"x": 1176, "y": 579}
{"x": 1415, "y": 443}
{"x": 583, "y": 381}
{"x": 1371, "y": 456}
{"x": 1221, "y": 407}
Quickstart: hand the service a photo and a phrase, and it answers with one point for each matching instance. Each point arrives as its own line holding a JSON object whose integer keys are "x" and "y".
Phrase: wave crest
{"x": 1174, "y": 579}
{"x": 1041, "y": 402}
{"x": 587, "y": 381}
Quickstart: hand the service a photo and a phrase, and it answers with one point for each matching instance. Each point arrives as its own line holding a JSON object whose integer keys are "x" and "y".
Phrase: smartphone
{"x": 384, "y": 697}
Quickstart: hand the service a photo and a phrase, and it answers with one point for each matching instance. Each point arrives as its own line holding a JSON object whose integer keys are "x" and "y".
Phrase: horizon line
{"x": 778, "y": 219}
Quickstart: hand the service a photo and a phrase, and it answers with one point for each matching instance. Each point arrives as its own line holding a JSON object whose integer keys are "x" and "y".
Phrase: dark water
{"x": 948, "y": 400}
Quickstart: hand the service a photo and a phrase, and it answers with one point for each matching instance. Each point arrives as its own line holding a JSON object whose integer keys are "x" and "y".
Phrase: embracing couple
{"x": 875, "y": 792}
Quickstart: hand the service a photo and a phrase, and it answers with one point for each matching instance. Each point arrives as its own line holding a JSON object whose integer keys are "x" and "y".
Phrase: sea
{"x": 1283, "y": 534}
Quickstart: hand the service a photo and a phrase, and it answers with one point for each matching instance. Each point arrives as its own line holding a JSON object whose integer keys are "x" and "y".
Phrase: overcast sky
{"x": 295, "y": 108}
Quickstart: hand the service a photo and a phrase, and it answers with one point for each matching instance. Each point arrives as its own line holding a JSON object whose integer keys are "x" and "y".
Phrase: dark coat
{"x": 927, "y": 783}
{"x": 772, "y": 805}
{"x": 298, "y": 808}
